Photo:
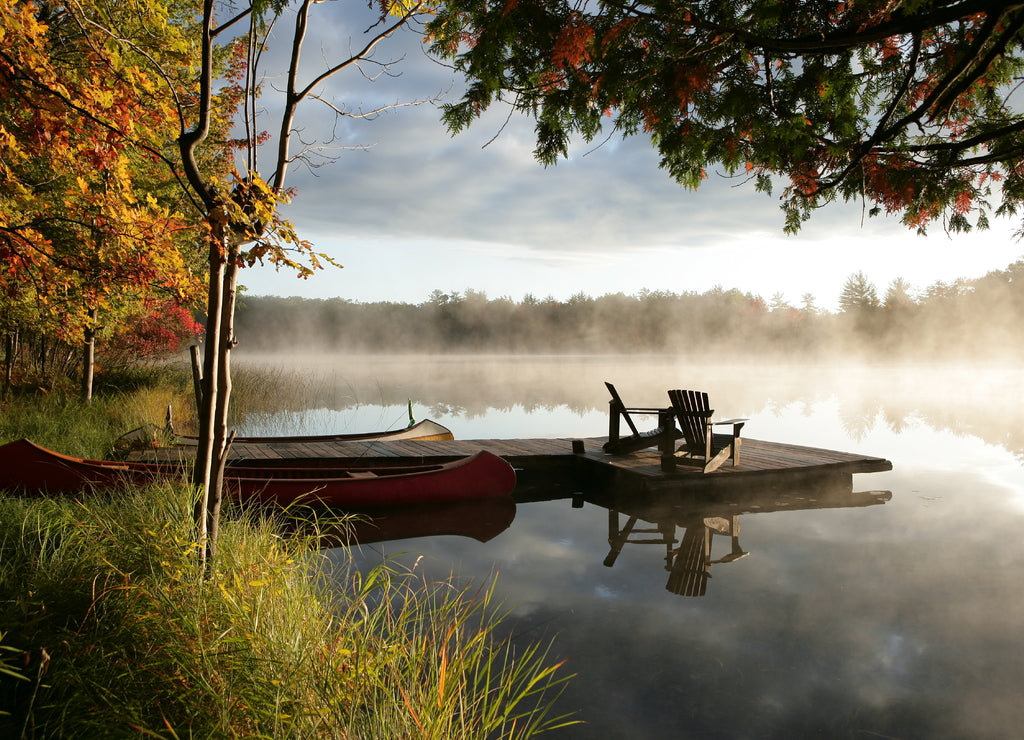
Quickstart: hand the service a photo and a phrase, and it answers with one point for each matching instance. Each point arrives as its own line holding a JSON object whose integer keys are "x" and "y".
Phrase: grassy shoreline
{"x": 110, "y": 630}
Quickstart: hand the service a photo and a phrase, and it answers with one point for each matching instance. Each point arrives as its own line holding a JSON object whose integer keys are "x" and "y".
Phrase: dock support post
{"x": 667, "y": 442}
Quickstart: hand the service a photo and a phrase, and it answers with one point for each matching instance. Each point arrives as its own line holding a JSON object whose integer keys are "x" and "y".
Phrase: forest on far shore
{"x": 967, "y": 319}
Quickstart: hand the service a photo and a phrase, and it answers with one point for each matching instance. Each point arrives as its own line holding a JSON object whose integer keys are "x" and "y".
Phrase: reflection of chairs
{"x": 617, "y": 538}
{"x": 664, "y": 435}
{"x": 689, "y": 565}
{"x": 690, "y": 568}
{"x": 700, "y": 444}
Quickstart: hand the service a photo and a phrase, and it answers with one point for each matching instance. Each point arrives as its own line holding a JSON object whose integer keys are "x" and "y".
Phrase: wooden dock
{"x": 549, "y": 466}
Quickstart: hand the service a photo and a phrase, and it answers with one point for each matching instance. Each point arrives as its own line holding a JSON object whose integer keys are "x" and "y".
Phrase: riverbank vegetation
{"x": 111, "y": 627}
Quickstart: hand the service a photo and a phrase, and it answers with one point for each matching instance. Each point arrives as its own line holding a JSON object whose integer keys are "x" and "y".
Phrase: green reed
{"x": 65, "y": 423}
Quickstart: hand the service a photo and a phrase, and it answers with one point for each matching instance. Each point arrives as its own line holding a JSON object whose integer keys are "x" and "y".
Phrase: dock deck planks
{"x": 758, "y": 458}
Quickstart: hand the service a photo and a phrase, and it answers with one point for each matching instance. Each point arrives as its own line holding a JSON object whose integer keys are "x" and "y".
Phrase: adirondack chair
{"x": 701, "y": 445}
{"x": 664, "y": 435}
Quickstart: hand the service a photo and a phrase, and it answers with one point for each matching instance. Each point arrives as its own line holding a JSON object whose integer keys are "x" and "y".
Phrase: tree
{"x": 859, "y": 295}
{"x": 779, "y": 302}
{"x": 897, "y": 296}
{"x": 85, "y": 222}
{"x": 242, "y": 221}
{"x": 905, "y": 105}
{"x": 198, "y": 65}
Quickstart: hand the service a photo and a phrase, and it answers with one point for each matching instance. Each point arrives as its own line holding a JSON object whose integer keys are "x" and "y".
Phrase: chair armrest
{"x": 737, "y": 425}
{"x": 645, "y": 409}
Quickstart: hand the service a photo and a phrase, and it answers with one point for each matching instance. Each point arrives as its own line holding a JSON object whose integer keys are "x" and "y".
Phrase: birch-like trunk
{"x": 89, "y": 356}
{"x": 227, "y": 343}
{"x": 210, "y": 444}
{"x": 10, "y": 350}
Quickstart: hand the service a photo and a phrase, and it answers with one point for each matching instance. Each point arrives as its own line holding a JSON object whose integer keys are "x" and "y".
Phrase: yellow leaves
{"x": 402, "y": 8}
{"x": 102, "y": 96}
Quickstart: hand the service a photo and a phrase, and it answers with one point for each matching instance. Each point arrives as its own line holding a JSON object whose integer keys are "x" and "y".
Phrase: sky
{"x": 407, "y": 208}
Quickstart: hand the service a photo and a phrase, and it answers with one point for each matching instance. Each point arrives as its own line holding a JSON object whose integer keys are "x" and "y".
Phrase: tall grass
{"x": 129, "y": 400}
{"x": 109, "y": 627}
{"x": 119, "y": 635}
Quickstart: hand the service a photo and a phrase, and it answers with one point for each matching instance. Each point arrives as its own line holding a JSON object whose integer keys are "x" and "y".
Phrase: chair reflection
{"x": 687, "y": 528}
{"x": 689, "y": 564}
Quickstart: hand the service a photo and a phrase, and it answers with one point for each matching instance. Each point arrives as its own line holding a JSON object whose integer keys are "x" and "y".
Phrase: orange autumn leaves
{"x": 83, "y": 223}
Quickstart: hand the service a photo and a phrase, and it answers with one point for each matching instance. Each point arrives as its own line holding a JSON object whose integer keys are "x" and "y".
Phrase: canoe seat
{"x": 362, "y": 474}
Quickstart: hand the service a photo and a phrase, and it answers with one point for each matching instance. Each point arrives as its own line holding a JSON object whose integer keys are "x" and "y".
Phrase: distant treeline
{"x": 968, "y": 318}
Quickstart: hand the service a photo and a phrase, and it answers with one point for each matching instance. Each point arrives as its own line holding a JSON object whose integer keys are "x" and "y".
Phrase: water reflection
{"x": 689, "y": 564}
{"x": 481, "y": 520}
{"x": 686, "y": 527}
{"x": 846, "y": 619}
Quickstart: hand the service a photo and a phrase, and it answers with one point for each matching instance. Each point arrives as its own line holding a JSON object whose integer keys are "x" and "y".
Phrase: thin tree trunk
{"x": 227, "y": 338}
{"x": 89, "y": 356}
{"x": 10, "y": 349}
{"x": 208, "y": 447}
{"x": 197, "y": 377}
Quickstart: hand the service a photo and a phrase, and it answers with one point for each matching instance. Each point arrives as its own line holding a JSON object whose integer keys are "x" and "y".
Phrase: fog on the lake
{"x": 975, "y": 319}
{"x": 889, "y": 610}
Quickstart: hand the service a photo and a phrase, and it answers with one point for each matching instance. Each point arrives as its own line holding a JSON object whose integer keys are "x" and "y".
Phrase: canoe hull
{"x": 28, "y": 468}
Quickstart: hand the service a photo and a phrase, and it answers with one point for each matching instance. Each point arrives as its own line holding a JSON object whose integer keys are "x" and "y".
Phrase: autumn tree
{"x": 144, "y": 75}
{"x": 905, "y": 106}
{"x": 85, "y": 220}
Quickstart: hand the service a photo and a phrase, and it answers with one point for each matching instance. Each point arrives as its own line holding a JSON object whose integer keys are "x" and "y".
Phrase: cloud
{"x": 414, "y": 180}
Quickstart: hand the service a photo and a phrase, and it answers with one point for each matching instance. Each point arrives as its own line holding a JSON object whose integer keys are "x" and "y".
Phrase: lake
{"x": 899, "y": 619}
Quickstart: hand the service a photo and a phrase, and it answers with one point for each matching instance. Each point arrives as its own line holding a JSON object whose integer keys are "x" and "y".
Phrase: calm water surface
{"x": 899, "y": 619}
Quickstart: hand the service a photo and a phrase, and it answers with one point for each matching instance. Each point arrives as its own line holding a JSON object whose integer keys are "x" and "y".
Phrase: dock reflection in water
{"x": 686, "y": 525}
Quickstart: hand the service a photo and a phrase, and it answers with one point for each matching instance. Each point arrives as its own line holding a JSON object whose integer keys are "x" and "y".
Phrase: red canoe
{"x": 28, "y": 468}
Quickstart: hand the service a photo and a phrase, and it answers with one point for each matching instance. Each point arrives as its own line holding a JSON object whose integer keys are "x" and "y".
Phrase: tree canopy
{"x": 89, "y": 216}
{"x": 910, "y": 107}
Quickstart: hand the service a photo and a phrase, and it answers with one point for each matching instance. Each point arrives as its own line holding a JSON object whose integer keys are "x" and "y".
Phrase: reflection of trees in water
{"x": 976, "y": 400}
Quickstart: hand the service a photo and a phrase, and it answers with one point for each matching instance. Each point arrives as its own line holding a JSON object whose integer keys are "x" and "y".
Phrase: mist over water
{"x": 897, "y": 619}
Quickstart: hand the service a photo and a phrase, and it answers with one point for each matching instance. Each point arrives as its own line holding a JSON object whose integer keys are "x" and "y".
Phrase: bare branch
{"x": 295, "y": 95}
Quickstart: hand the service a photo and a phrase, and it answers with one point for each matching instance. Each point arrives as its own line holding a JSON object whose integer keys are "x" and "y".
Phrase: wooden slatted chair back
{"x": 693, "y": 412}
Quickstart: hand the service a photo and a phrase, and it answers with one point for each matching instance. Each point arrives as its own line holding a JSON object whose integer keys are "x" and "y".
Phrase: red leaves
{"x": 617, "y": 30}
{"x": 573, "y": 46}
{"x": 805, "y": 180}
{"x": 160, "y": 331}
{"x": 691, "y": 78}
